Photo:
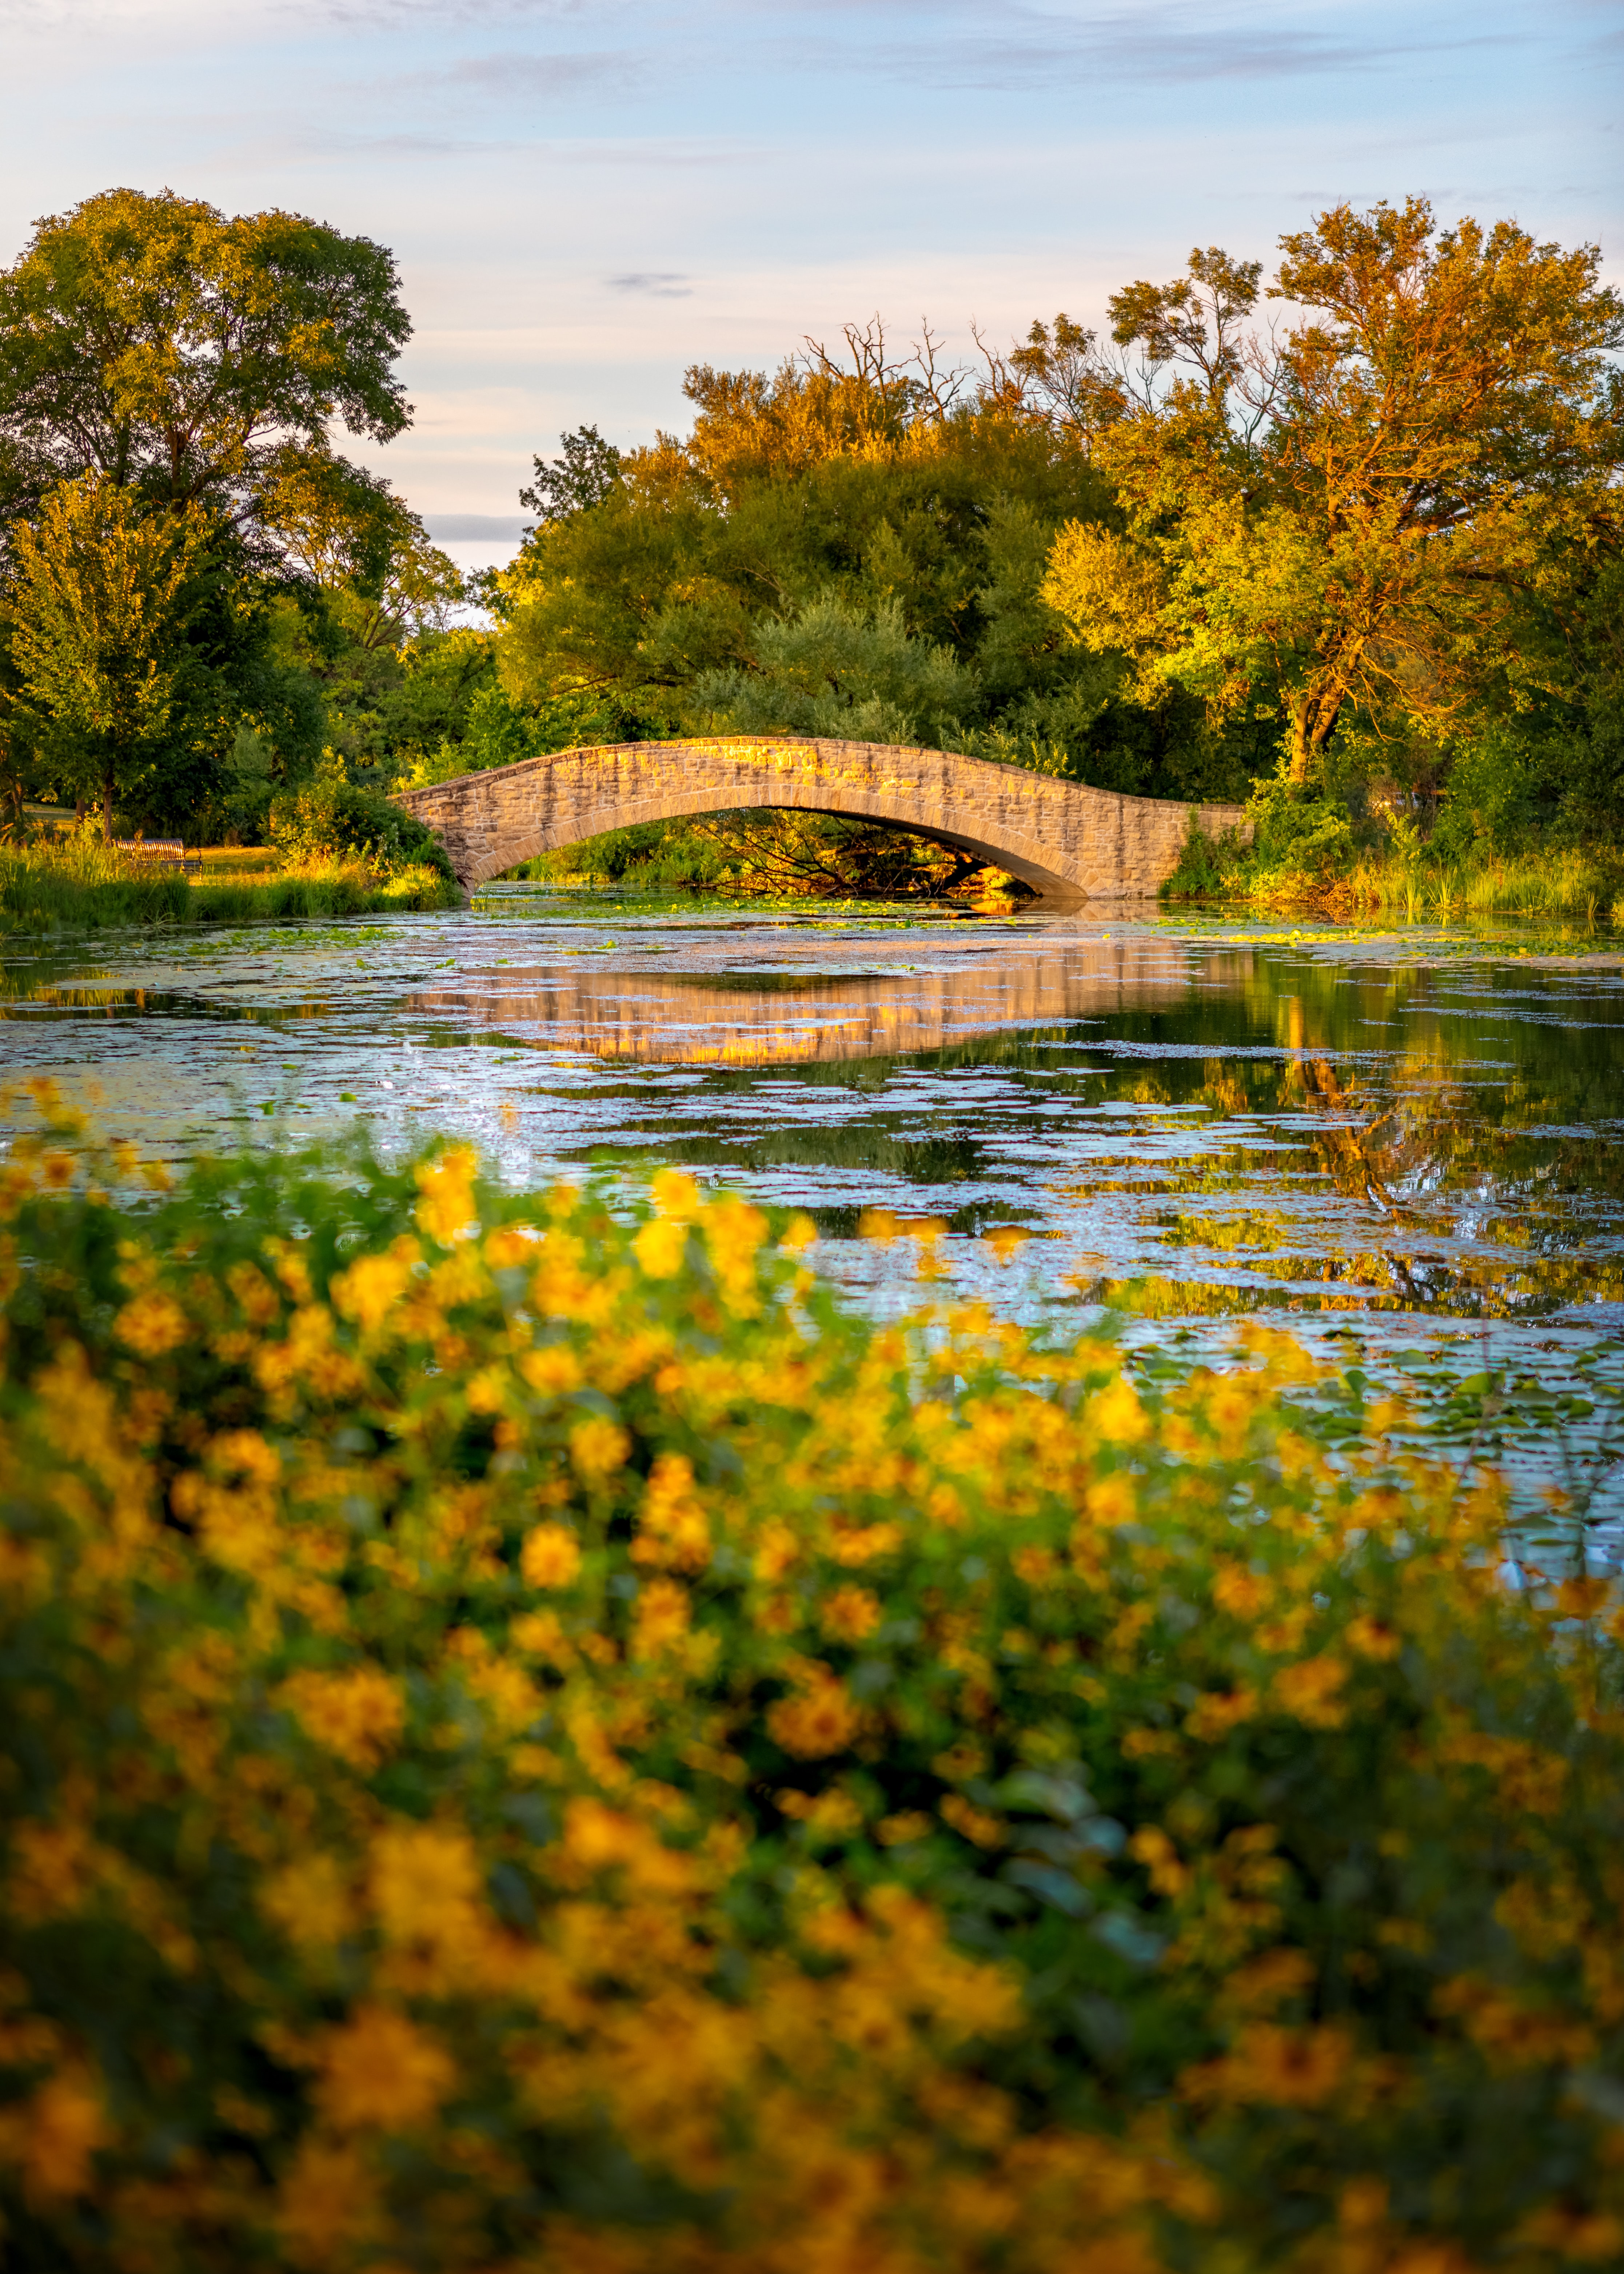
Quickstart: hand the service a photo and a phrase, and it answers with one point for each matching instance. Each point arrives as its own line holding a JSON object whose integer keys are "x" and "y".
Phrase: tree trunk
{"x": 107, "y": 803}
{"x": 1314, "y": 721}
{"x": 1298, "y": 771}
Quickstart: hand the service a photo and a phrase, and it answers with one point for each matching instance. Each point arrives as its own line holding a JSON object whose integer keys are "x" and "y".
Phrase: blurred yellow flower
{"x": 820, "y": 1720}
{"x": 357, "y": 1714}
{"x": 850, "y": 1614}
{"x": 662, "y": 1617}
{"x": 1115, "y": 1415}
{"x": 152, "y": 1324}
{"x": 674, "y": 1194}
{"x": 311, "y": 1900}
{"x": 553, "y": 1370}
{"x": 328, "y": 2199}
{"x": 54, "y": 2135}
{"x": 598, "y": 1448}
{"x": 380, "y": 2072}
{"x": 551, "y": 1557}
{"x": 672, "y": 1526}
{"x": 1311, "y": 1690}
{"x": 446, "y": 1212}
{"x": 425, "y": 1881}
{"x": 660, "y": 1246}
{"x": 369, "y": 1288}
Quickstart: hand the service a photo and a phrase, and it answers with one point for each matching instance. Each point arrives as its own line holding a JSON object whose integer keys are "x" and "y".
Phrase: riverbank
{"x": 83, "y": 886}
{"x": 558, "y": 1728}
{"x": 1417, "y": 884}
{"x": 340, "y": 891}
{"x": 1563, "y": 881}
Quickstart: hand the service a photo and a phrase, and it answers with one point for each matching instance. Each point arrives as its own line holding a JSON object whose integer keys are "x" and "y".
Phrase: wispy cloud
{"x": 653, "y": 284}
{"x": 432, "y": 15}
{"x": 1129, "y": 49}
{"x": 567, "y": 72}
{"x": 1032, "y": 49}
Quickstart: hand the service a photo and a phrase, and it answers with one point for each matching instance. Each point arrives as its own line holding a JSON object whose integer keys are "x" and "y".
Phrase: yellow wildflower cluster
{"x": 538, "y": 1745}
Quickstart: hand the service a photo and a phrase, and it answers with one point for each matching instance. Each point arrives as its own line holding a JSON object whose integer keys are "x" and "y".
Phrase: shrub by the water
{"x": 333, "y": 820}
{"x": 537, "y": 1742}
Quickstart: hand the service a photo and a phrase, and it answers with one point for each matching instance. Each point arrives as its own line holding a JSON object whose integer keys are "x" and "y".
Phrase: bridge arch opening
{"x": 758, "y": 848}
{"x": 527, "y": 840}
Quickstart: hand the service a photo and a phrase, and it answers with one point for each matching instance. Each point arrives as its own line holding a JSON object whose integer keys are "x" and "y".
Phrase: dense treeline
{"x": 856, "y": 550}
{"x": 1361, "y": 563}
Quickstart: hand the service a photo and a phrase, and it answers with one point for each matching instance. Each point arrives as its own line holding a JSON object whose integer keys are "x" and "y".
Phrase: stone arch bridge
{"x": 1069, "y": 842}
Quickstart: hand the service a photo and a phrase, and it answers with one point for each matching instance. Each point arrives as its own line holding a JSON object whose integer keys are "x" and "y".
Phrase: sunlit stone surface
{"x": 1070, "y": 843}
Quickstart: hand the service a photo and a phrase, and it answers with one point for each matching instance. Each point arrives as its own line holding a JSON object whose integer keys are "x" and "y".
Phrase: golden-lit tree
{"x": 360, "y": 545}
{"x": 1345, "y": 521}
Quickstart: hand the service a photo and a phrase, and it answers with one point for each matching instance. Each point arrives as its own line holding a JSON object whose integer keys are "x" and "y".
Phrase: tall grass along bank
{"x": 1414, "y": 883}
{"x": 540, "y": 1741}
{"x": 338, "y": 890}
{"x": 81, "y": 885}
{"x": 1561, "y": 881}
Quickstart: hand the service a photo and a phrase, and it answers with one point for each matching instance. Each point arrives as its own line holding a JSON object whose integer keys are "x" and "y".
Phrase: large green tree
{"x": 1345, "y": 527}
{"x": 159, "y": 343}
{"x": 361, "y": 546}
{"x": 199, "y": 365}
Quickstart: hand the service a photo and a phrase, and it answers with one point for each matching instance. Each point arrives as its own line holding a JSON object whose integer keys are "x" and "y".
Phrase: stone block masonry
{"x": 1070, "y": 843}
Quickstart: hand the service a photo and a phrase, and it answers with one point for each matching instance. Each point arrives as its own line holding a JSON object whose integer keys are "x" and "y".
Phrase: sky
{"x": 586, "y": 196}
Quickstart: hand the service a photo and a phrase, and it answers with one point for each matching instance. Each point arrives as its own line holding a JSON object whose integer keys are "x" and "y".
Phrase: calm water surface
{"x": 1410, "y": 1143}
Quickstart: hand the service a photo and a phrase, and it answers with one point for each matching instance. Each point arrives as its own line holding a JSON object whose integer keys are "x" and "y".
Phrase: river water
{"x": 1408, "y": 1145}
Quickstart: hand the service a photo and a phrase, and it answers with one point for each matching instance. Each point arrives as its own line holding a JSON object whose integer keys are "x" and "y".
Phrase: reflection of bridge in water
{"x": 820, "y": 999}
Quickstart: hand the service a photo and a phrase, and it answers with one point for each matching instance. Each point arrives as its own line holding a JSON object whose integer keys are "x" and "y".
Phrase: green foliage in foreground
{"x": 541, "y": 1743}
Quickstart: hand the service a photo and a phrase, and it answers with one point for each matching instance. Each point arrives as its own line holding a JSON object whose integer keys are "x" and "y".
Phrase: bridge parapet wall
{"x": 1071, "y": 843}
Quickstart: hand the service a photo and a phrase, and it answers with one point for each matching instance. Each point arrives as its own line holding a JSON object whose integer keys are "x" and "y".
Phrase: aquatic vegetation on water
{"x": 540, "y": 1742}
